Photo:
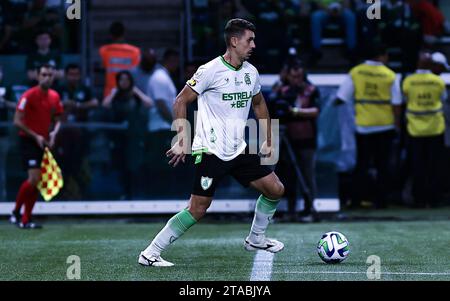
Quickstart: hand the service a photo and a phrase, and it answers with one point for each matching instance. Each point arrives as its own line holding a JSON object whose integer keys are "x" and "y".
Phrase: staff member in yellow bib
{"x": 424, "y": 93}
{"x": 375, "y": 90}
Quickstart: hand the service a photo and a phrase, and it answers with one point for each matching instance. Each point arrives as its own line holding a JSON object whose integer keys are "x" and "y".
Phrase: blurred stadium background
{"x": 116, "y": 166}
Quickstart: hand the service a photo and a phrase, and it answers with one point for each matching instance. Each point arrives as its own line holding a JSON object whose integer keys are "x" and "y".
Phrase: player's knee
{"x": 277, "y": 191}
{"x": 281, "y": 189}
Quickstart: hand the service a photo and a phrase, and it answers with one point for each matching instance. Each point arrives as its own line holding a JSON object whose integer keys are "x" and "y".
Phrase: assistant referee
{"x": 37, "y": 110}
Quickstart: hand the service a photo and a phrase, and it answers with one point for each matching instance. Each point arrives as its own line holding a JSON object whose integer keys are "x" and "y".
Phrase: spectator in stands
{"x": 124, "y": 93}
{"x": 78, "y": 101}
{"x": 163, "y": 91}
{"x": 430, "y": 18}
{"x": 117, "y": 56}
{"x": 144, "y": 71}
{"x": 301, "y": 130}
{"x": 425, "y": 93}
{"x": 375, "y": 90}
{"x": 326, "y": 11}
{"x": 77, "y": 98}
{"x": 39, "y": 15}
{"x": 43, "y": 55}
{"x": 127, "y": 103}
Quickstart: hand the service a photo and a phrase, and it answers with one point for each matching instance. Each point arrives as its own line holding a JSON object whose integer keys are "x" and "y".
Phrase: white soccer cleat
{"x": 153, "y": 261}
{"x": 267, "y": 244}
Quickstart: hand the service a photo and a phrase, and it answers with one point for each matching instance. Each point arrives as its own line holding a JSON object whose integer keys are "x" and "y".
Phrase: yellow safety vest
{"x": 373, "y": 85}
{"x": 424, "y": 113}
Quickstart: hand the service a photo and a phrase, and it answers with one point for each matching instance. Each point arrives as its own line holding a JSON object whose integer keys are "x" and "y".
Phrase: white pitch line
{"x": 385, "y": 273}
{"x": 262, "y": 266}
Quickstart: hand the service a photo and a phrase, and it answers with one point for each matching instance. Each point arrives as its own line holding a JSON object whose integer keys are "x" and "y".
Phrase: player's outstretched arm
{"x": 178, "y": 151}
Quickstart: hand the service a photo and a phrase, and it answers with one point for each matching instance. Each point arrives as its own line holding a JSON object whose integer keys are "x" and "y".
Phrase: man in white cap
{"x": 439, "y": 63}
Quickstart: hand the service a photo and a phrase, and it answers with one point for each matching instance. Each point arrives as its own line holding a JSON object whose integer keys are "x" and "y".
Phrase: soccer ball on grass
{"x": 333, "y": 247}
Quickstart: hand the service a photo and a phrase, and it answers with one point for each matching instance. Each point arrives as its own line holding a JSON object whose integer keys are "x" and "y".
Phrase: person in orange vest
{"x": 425, "y": 93}
{"x": 117, "y": 56}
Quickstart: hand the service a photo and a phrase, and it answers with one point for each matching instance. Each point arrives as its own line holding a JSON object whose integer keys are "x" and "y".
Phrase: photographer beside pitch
{"x": 224, "y": 87}
{"x": 37, "y": 110}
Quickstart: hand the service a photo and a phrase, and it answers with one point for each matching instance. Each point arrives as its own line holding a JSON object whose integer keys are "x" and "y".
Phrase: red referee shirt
{"x": 39, "y": 107}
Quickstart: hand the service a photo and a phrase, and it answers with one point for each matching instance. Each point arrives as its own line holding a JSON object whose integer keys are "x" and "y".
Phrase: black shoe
{"x": 15, "y": 217}
{"x": 29, "y": 225}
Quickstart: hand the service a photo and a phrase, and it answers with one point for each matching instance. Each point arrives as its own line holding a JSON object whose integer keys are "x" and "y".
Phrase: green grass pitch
{"x": 108, "y": 250}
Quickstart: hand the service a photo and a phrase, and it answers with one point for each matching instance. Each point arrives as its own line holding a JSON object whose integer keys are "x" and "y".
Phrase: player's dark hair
{"x": 236, "y": 28}
{"x": 72, "y": 66}
{"x": 44, "y": 66}
{"x": 117, "y": 29}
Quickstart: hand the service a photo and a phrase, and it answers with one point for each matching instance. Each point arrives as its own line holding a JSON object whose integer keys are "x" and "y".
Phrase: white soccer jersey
{"x": 224, "y": 100}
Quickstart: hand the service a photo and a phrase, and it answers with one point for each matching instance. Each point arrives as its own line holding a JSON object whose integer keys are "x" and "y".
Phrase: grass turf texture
{"x": 108, "y": 250}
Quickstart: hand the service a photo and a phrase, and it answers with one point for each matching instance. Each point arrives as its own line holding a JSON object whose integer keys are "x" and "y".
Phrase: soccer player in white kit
{"x": 225, "y": 88}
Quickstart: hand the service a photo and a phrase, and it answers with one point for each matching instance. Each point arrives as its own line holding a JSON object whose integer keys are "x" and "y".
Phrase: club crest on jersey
{"x": 247, "y": 79}
{"x": 205, "y": 182}
{"x": 192, "y": 82}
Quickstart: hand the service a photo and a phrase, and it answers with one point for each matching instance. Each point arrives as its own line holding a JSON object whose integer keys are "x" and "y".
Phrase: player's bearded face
{"x": 246, "y": 45}
{"x": 45, "y": 77}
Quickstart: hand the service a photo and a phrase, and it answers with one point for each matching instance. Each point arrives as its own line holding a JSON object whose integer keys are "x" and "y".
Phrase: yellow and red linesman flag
{"x": 52, "y": 180}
